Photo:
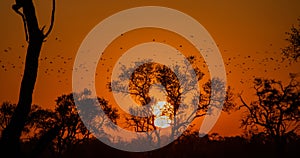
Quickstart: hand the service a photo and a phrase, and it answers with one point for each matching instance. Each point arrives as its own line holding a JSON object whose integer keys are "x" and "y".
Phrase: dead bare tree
{"x": 35, "y": 36}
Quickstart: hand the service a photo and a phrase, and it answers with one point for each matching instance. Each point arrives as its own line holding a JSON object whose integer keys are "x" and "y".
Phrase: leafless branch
{"x": 52, "y": 19}
{"x": 16, "y": 8}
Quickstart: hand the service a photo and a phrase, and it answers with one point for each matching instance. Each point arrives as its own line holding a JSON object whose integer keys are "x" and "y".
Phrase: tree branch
{"x": 16, "y": 8}
{"x": 52, "y": 20}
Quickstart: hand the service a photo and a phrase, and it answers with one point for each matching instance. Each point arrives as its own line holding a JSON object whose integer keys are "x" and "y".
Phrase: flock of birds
{"x": 258, "y": 63}
{"x": 14, "y": 62}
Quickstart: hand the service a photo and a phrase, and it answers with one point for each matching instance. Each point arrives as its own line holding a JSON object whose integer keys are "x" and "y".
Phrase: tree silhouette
{"x": 72, "y": 130}
{"x": 141, "y": 81}
{"x": 96, "y": 112}
{"x": 150, "y": 73}
{"x": 70, "y": 124}
{"x": 10, "y": 140}
{"x": 7, "y": 109}
{"x": 292, "y": 51}
{"x": 37, "y": 123}
{"x": 276, "y": 111}
{"x": 60, "y": 129}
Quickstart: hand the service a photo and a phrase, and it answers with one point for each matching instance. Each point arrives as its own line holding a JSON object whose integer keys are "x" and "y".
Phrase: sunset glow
{"x": 162, "y": 111}
{"x": 150, "y": 78}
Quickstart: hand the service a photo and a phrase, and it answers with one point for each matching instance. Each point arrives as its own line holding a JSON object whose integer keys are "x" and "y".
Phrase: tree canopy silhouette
{"x": 72, "y": 130}
{"x": 275, "y": 112}
{"x": 292, "y": 50}
{"x": 59, "y": 129}
{"x": 150, "y": 73}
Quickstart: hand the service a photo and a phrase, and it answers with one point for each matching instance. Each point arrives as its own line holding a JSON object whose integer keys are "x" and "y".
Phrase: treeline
{"x": 186, "y": 146}
{"x": 61, "y": 132}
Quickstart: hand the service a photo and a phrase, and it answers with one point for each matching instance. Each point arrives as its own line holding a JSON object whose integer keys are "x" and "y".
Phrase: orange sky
{"x": 249, "y": 34}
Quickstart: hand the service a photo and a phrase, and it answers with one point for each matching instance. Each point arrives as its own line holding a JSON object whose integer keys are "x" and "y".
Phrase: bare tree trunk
{"x": 10, "y": 140}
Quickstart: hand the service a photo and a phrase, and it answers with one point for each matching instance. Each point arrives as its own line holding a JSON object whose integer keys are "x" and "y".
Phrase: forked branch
{"x": 16, "y": 7}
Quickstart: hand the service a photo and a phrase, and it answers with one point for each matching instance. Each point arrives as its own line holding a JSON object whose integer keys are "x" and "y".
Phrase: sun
{"x": 163, "y": 112}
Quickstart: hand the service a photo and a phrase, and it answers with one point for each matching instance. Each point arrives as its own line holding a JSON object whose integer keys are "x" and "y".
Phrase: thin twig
{"x": 52, "y": 19}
